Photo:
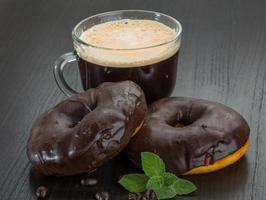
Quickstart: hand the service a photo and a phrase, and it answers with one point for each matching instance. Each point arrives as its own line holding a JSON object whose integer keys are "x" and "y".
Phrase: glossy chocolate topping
{"x": 88, "y": 129}
{"x": 210, "y": 131}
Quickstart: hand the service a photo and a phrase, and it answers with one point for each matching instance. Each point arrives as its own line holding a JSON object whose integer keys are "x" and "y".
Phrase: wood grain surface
{"x": 222, "y": 58}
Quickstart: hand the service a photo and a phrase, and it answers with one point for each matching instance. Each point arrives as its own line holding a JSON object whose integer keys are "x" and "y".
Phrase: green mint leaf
{"x": 182, "y": 187}
{"x": 155, "y": 182}
{"x": 152, "y": 164}
{"x": 169, "y": 178}
{"x": 165, "y": 192}
{"x": 134, "y": 182}
{"x": 166, "y": 185}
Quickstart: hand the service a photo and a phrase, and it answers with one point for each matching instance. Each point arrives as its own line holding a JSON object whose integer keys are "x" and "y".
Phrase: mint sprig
{"x": 152, "y": 164}
{"x": 169, "y": 178}
{"x": 166, "y": 185}
{"x": 155, "y": 182}
{"x": 134, "y": 182}
{"x": 183, "y": 187}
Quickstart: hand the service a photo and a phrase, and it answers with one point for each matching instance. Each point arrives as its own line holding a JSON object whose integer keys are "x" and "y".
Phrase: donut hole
{"x": 74, "y": 122}
{"x": 78, "y": 112}
{"x": 183, "y": 119}
{"x": 178, "y": 124}
{"x": 181, "y": 124}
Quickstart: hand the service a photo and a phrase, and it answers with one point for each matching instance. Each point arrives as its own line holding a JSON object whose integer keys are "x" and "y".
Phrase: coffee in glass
{"x": 141, "y": 46}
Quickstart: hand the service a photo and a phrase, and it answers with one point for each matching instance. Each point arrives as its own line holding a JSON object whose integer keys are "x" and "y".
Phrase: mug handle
{"x": 59, "y": 66}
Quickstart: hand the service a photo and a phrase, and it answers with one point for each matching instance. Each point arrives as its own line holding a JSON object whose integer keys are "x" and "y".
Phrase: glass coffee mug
{"x": 153, "y": 66}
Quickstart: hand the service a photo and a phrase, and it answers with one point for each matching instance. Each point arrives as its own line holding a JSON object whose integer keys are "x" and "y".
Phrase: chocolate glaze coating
{"x": 212, "y": 131}
{"x": 88, "y": 129}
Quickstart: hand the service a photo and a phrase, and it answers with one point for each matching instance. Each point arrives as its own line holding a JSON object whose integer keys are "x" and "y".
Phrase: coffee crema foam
{"x": 130, "y": 42}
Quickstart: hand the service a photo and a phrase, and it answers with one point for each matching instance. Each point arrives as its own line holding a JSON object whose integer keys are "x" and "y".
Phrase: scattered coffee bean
{"x": 145, "y": 198}
{"x": 153, "y": 195}
{"x": 42, "y": 192}
{"x": 146, "y": 195}
{"x": 131, "y": 196}
{"x": 134, "y": 196}
{"x": 88, "y": 181}
{"x": 149, "y": 195}
{"x": 102, "y": 196}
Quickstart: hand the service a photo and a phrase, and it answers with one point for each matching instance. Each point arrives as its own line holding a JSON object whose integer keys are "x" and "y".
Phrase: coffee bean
{"x": 149, "y": 195}
{"x": 102, "y": 196}
{"x": 42, "y": 192}
{"x": 88, "y": 181}
{"x": 146, "y": 195}
{"x": 145, "y": 198}
{"x": 134, "y": 196}
{"x": 153, "y": 196}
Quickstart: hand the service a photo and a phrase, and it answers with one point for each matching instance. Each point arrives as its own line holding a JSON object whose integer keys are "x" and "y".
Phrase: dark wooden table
{"x": 223, "y": 58}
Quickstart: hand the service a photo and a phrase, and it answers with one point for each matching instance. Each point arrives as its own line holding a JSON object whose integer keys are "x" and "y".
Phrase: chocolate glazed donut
{"x": 84, "y": 131}
{"x": 188, "y": 133}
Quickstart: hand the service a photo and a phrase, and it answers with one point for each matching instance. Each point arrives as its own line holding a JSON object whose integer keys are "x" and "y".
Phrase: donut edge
{"x": 222, "y": 163}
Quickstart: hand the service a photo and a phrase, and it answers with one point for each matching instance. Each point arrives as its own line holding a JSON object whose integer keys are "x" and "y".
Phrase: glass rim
{"x": 76, "y": 38}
